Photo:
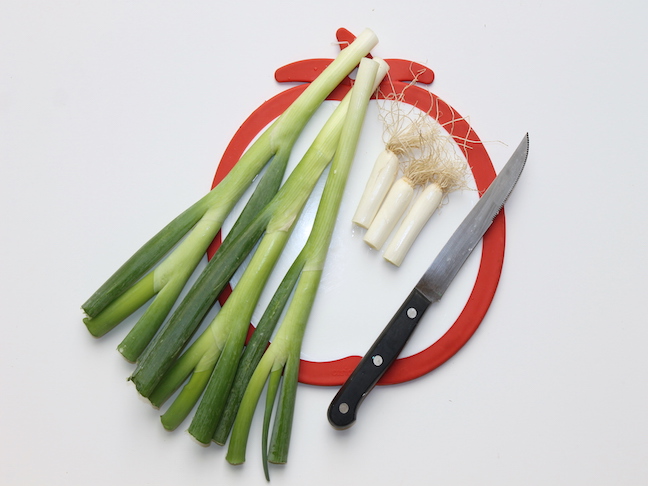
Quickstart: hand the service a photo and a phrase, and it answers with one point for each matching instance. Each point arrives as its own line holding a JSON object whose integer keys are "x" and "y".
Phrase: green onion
{"x": 155, "y": 272}
{"x": 283, "y": 354}
{"x": 218, "y": 349}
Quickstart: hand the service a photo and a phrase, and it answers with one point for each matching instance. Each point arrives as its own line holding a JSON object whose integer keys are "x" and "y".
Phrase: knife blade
{"x": 344, "y": 407}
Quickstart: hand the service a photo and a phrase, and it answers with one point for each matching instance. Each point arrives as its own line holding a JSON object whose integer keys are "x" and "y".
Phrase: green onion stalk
{"x": 159, "y": 270}
{"x": 211, "y": 361}
{"x": 279, "y": 365}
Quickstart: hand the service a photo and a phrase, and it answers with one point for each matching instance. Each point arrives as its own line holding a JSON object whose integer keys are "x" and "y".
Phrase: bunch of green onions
{"x": 217, "y": 375}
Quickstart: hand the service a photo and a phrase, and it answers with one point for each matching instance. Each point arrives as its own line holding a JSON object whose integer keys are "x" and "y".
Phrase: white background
{"x": 113, "y": 116}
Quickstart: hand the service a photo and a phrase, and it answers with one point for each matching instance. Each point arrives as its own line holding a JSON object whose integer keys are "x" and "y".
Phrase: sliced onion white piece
{"x": 419, "y": 214}
{"x": 394, "y": 206}
{"x": 382, "y": 177}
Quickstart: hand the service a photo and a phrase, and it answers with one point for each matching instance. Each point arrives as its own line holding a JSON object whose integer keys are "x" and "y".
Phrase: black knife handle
{"x": 344, "y": 407}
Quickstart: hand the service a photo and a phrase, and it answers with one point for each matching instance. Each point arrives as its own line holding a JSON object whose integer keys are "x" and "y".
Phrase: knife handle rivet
{"x": 411, "y": 313}
{"x": 343, "y": 408}
{"x": 377, "y": 360}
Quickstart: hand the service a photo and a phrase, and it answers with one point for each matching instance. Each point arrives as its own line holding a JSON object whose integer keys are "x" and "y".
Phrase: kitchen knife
{"x": 344, "y": 407}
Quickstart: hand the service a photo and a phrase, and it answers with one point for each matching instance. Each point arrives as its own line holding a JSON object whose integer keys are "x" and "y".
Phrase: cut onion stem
{"x": 430, "y": 170}
{"x": 382, "y": 177}
{"x": 398, "y": 199}
{"x": 425, "y": 204}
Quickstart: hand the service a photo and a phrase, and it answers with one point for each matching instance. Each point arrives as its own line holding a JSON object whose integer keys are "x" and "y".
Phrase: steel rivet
{"x": 411, "y": 313}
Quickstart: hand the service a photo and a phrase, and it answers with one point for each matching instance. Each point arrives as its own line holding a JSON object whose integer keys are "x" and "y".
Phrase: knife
{"x": 435, "y": 281}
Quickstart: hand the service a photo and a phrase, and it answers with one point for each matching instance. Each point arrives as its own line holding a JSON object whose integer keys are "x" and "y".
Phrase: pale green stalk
{"x": 284, "y": 351}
